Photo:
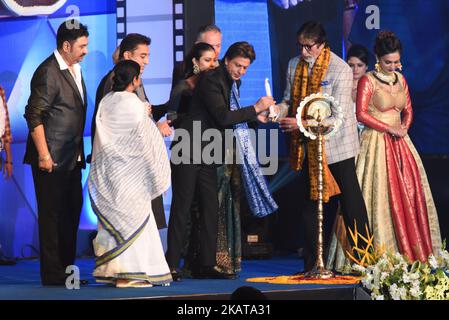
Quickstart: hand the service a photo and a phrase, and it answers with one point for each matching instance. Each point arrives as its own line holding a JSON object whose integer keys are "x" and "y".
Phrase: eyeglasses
{"x": 308, "y": 47}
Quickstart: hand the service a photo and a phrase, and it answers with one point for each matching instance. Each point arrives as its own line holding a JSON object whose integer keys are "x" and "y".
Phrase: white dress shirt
{"x": 75, "y": 71}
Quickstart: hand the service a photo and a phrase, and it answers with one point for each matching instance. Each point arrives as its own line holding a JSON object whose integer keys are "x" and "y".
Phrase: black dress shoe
{"x": 62, "y": 283}
{"x": 213, "y": 273}
{"x": 7, "y": 261}
{"x": 53, "y": 283}
{"x": 176, "y": 276}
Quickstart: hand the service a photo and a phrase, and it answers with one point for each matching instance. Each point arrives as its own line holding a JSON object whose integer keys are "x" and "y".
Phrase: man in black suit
{"x": 210, "y": 34}
{"x": 135, "y": 47}
{"x": 210, "y": 109}
{"x": 56, "y": 114}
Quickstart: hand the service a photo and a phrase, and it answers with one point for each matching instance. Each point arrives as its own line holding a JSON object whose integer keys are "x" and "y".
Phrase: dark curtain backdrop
{"x": 423, "y": 28}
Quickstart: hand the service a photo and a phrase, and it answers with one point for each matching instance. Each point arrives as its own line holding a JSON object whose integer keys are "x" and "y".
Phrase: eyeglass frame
{"x": 307, "y": 46}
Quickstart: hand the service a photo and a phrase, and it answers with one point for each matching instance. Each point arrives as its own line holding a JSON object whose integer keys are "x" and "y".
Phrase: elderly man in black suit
{"x": 56, "y": 114}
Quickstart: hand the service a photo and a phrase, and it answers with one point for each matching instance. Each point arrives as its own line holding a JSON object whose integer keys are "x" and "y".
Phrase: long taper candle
{"x": 268, "y": 94}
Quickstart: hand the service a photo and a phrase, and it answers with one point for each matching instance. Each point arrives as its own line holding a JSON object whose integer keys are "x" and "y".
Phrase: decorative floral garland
{"x": 302, "y": 86}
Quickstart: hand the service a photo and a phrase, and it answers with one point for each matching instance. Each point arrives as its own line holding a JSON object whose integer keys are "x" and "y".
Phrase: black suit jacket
{"x": 178, "y": 74}
{"x": 56, "y": 103}
{"x": 210, "y": 107}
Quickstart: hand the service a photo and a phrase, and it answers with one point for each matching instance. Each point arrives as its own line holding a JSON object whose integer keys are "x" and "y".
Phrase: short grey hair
{"x": 206, "y": 28}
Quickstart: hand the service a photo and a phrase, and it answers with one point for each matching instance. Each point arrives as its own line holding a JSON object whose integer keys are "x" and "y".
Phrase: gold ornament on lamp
{"x": 323, "y": 117}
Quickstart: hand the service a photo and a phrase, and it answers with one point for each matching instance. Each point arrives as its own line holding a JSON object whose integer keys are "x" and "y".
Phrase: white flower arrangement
{"x": 392, "y": 277}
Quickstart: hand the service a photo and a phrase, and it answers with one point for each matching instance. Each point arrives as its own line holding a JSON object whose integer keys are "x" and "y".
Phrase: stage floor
{"x": 22, "y": 282}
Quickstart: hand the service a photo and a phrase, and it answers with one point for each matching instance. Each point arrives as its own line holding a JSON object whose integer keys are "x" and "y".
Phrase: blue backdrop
{"x": 423, "y": 29}
{"x": 24, "y": 43}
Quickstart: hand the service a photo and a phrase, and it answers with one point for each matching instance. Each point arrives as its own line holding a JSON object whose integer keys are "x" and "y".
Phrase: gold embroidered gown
{"x": 401, "y": 210}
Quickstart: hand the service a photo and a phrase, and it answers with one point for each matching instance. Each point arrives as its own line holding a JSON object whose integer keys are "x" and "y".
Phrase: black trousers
{"x": 351, "y": 201}
{"x": 59, "y": 202}
{"x": 186, "y": 179}
{"x": 157, "y": 205}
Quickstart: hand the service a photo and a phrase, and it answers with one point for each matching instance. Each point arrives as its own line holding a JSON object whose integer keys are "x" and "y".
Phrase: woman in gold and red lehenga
{"x": 400, "y": 206}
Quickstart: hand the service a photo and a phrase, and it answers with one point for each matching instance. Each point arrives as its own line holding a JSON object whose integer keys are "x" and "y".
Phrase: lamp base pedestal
{"x": 319, "y": 273}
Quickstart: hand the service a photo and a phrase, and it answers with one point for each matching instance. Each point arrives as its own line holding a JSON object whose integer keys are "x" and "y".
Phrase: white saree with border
{"x": 129, "y": 168}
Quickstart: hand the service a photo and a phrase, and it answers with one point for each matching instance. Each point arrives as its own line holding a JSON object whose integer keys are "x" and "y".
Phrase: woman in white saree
{"x": 129, "y": 168}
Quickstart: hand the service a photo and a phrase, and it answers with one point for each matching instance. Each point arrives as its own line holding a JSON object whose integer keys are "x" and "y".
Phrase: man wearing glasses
{"x": 317, "y": 69}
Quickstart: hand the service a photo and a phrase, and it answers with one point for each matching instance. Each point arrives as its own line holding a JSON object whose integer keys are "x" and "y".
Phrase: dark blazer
{"x": 178, "y": 74}
{"x": 103, "y": 88}
{"x": 180, "y": 98}
{"x": 210, "y": 106}
{"x": 56, "y": 103}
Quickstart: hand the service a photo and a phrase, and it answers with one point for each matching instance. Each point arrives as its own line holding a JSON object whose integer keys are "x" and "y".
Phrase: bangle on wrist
{"x": 351, "y": 7}
{"x": 45, "y": 158}
{"x": 6, "y": 162}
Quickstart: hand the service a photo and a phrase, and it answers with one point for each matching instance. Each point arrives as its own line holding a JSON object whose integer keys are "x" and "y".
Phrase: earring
{"x": 400, "y": 66}
{"x": 196, "y": 68}
{"x": 377, "y": 66}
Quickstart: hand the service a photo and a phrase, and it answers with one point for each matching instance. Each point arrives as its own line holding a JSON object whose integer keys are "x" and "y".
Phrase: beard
{"x": 308, "y": 59}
